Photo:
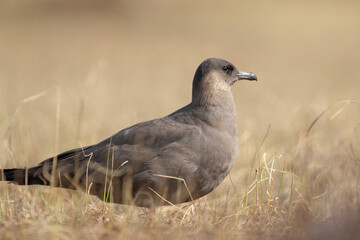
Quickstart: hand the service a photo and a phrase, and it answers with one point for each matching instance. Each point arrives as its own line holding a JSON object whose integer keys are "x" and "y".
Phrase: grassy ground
{"x": 73, "y": 73}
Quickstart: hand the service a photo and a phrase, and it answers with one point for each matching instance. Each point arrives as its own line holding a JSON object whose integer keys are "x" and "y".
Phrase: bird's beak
{"x": 246, "y": 76}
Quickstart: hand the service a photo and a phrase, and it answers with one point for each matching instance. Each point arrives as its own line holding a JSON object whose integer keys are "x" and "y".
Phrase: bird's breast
{"x": 218, "y": 159}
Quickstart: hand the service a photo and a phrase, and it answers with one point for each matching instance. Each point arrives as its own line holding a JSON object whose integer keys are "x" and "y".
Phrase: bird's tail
{"x": 41, "y": 173}
{"x": 21, "y": 176}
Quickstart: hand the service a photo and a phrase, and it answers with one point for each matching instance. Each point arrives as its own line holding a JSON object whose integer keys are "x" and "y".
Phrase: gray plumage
{"x": 173, "y": 159}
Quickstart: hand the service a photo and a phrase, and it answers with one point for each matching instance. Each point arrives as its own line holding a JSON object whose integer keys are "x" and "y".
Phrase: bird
{"x": 170, "y": 160}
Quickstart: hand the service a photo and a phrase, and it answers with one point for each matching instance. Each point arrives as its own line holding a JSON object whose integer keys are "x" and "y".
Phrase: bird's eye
{"x": 227, "y": 68}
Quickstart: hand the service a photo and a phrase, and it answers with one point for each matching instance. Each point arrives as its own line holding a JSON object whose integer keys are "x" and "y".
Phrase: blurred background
{"x": 115, "y": 63}
{"x": 75, "y": 72}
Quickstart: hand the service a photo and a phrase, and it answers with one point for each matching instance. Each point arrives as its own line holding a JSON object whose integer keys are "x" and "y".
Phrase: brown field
{"x": 75, "y": 72}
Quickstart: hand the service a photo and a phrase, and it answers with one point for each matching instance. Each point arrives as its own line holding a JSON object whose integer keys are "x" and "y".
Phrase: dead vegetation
{"x": 71, "y": 78}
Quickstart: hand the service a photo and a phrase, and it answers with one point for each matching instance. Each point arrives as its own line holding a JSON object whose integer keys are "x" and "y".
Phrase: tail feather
{"x": 21, "y": 176}
{"x": 32, "y": 176}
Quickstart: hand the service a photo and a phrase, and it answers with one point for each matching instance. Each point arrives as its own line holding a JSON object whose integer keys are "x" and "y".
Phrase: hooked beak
{"x": 246, "y": 76}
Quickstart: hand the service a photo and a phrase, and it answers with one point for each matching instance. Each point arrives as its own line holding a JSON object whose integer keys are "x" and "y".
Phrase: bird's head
{"x": 214, "y": 77}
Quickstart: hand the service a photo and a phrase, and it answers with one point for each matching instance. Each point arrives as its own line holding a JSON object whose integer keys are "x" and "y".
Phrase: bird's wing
{"x": 152, "y": 140}
{"x": 146, "y": 150}
{"x": 156, "y": 151}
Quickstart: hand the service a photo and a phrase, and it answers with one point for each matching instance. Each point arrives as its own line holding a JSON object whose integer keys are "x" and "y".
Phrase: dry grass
{"x": 72, "y": 74}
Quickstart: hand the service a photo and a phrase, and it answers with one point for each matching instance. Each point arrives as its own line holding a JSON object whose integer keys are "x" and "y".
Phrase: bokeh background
{"x": 75, "y": 72}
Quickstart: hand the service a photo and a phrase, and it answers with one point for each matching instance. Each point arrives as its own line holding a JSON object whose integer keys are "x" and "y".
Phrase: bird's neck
{"x": 218, "y": 110}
